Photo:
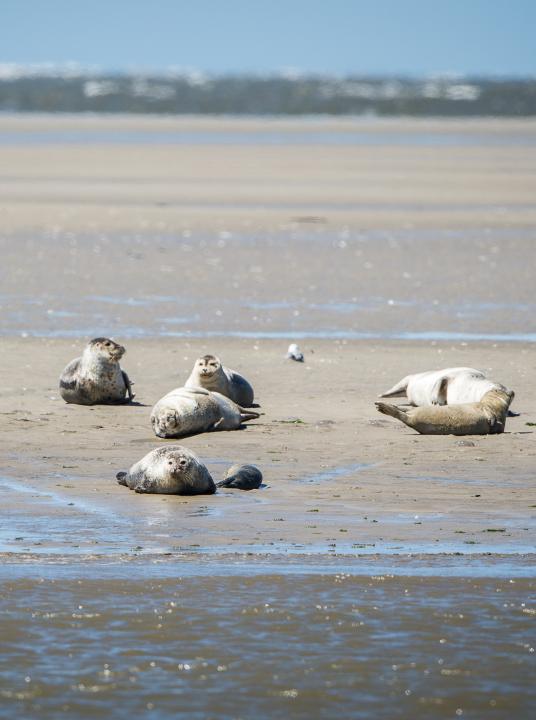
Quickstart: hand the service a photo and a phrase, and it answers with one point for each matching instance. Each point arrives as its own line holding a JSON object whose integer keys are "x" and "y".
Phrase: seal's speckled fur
{"x": 187, "y": 411}
{"x": 171, "y": 470}
{"x": 96, "y": 377}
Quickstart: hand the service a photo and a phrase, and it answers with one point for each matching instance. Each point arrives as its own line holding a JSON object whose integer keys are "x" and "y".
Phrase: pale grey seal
{"x": 96, "y": 377}
{"x": 209, "y": 373}
{"x": 444, "y": 387}
{"x": 187, "y": 411}
{"x": 173, "y": 470}
{"x": 488, "y": 416}
{"x": 242, "y": 477}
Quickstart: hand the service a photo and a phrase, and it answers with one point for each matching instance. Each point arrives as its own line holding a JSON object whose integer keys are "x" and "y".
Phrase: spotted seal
{"x": 173, "y": 470}
{"x": 96, "y": 377}
{"x": 488, "y": 416}
{"x": 191, "y": 410}
{"x": 209, "y": 373}
{"x": 242, "y": 477}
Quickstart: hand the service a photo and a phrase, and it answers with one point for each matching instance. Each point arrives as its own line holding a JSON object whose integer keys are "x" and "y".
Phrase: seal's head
{"x": 207, "y": 366}
{"x": 175, "y": 465}
{"x": 498, "y": 400}
{"x": 106, "y": 349}
{"x": 173, "y": 471}
{"x": 165, "y": 422}
{"x": 496, "y": 403}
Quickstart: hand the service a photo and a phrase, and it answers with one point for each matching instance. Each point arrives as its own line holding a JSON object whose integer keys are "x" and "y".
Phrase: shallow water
{"x": 271, "y": 646}
{"x": 308, "y": 136}
{"x": 333, "y": 320}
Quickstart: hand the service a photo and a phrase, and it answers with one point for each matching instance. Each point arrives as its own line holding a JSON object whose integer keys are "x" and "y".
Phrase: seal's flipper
{"x": 128, "y": 384}
{"x": 228, "y": 482}
{"x": 393, "y": 411}
{"x": 240, "y": 483}
{"x": 122, "y": 478}
{"x": 438, "y": 395}
{"x": 248, "y": 414}
{"x": 398, "y": 389}
{"x": 512, "y": 413}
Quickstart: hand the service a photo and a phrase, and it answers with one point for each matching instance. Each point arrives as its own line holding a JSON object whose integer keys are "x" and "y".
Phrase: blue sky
{"x": 411, "y": 37}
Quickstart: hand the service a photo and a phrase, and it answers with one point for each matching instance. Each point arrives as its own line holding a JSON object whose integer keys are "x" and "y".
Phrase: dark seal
{"x": 242, "y": 477}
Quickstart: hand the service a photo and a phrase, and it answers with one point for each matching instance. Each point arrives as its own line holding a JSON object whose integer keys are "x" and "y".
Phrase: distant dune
{"x": 73, "y": 89}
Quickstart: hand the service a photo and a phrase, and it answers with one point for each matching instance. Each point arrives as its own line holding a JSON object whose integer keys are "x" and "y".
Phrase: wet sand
{"x": 404, "y": 247}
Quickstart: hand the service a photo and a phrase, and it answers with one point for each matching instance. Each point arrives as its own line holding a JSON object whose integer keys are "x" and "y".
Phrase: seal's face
{"x": 107, "y": 349}
{"x": 207, "y": 365}
{"x": 176, "y": 465}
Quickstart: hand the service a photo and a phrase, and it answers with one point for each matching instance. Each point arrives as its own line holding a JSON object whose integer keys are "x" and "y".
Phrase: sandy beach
{"x": 383, "y": 248}
{"x": 338, "y": 474}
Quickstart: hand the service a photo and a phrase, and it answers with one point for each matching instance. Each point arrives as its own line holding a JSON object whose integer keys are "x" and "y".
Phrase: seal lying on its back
{"x": 173, "y": 470}
{"x": 479, "y": 418}
{"x": 186, "y": 411}
{"x": 242, "y": 477}
{"x": 96, "y": 377}
{"x": 210, "y": 374}
{"x": 444, "y": 387}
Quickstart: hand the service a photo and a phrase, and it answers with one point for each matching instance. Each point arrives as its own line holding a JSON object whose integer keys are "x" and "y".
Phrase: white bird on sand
{"x": 294, "y": 353}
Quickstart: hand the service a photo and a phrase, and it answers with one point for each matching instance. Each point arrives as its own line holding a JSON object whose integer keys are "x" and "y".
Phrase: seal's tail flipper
{"x": 393, "y": 411}
{"x": 246, "y": 414}
{"x": 398, "y": 389}
{"x": 122, "y": 478}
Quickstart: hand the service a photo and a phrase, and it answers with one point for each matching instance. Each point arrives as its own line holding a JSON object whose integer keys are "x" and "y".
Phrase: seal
{"x": 96, "y": 377}
{"x": 191, "y": 410}
{"x": 209, "y": 373}
{"x": 486, "y": 417}
{"x": 444, "y": 387}
{"x": 242, "y": 477}
{"x": 172, "y": 470}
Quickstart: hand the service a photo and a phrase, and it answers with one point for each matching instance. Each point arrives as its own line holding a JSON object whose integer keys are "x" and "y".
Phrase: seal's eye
{"x": 182, "y": 462}
{"x": 170, "y": 462}
{"x": 108, "y": 344}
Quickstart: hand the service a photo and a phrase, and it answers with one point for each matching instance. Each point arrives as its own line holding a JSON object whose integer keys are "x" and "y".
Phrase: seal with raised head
{"x": 191, "y": 410}
{"x": 242, "y": 477}
{"x": 96, "y": 377}
{"x": 444, "y": 387}
{"x": 209, "y": 373}
{"x": 486, "y": 417}
{"x": 173, "y": 470}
